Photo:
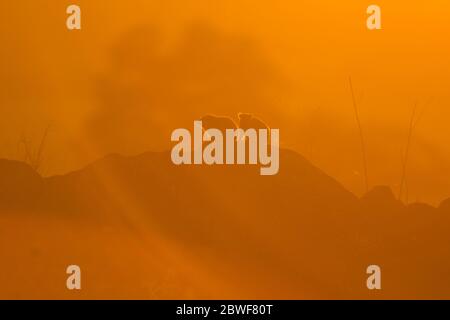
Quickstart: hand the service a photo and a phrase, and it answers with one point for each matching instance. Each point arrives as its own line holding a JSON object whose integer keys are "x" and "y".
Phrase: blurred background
{"x": 139, "y": 69}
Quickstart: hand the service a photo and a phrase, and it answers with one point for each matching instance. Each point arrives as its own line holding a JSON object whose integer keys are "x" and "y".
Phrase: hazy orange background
{"x": 50, "y": 75}
{"x": 139, "y": 69}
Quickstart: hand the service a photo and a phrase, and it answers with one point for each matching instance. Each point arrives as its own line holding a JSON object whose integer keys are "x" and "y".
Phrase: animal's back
{"x": 218, "y": 122}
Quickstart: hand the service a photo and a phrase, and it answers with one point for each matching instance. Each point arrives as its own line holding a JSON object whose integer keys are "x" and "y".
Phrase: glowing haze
{"x": 139, "y": 69}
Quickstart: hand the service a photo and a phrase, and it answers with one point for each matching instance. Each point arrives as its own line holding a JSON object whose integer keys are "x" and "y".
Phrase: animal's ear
{"x": 242, "y": 115}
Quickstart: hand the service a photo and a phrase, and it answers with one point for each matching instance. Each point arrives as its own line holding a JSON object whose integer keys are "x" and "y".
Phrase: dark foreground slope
{"x": 144, "y": 228}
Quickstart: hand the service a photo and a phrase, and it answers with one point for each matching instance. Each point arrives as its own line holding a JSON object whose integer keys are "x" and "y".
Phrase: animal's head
{"x": 245, "y": 116}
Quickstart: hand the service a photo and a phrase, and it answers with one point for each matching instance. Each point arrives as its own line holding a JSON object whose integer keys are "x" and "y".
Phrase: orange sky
{"x": 50, "y": 75}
